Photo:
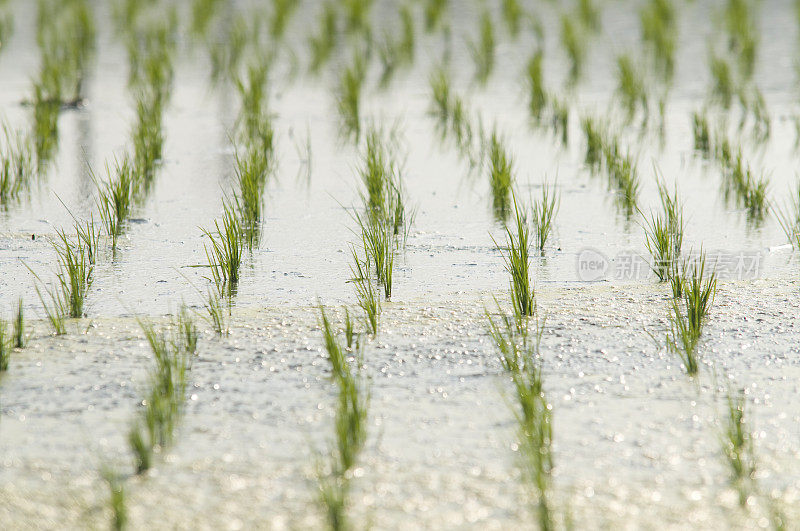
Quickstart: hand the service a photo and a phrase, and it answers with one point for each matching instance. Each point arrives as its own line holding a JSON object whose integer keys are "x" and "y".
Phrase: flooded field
{"x": 399, "y": 264}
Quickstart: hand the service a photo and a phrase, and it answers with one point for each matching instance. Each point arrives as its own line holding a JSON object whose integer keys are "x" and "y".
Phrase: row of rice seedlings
{"x": 225, "y": 248}
{"x": 348, "y": 96}
{"x": 517, "y": 258}
{"x": 398, "y": 52}
{"x": 483, "y": 50}
{"x": 173, "y": 350}
{"x": 350, "y": 428}
{"x": 660, "y": 34}
{"x": 518, "y": 347}
{"x": 664, "y": 233}
{"x": 631, "y": 88}
{"x": 688, "y": 313}
{"x": 323, "y": 42}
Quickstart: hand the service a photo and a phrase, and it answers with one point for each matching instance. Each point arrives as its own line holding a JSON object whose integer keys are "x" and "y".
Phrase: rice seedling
{"x": 737, "y": 447}
{"x": 203, "y": 13}
{"x": 701, "y": 132}
{"x": 6, "y": 27}
{"x": 116, "y": 498}
{"x": 624, "y": 177}
{"x": 89, "y": 234}
{"x": 368, "y": 299}
{"x": 723, "y": 87}
{"x": 350, "y": 428}
{"x": 537, "y": 97}
{"x": 699, "y": 291}
{"x": 187, "y": 330}
{"x": 750, "y": 190}
{"x": 740, "y": 21}
{"x": 348, "y": 97}
{"x": 630, "y": 87}
{"x": 589, "y": 14}
{"x": 560, "y": 110}
{"x": 19, "y": 334}
{"x": 251, "y": 172}
{"x": 574, "y": 44}
{"x": 45, "y": 126}
{"x": 115, "y": 198}
{"x": 323, "y": 42}
{"x": 282, "y": 11}
{"x": 516, "y": 255}
{"x": 5, "y": 347}
{"x": 483, "y": 51}
{"x": 66, "y": 36}
{"x": 66, "y": 297}
{"x": 659, "y": 32}
{"x": 252, "y": 93}
{"x": 788, "y": 217}
{"x": 512, "y": 15}
{"x": 519, "y": 356}
{"x": 664, "y": 233}
{"x": 596, "y": 142}
{"x": 16, "y": 165}
{"x": 224, "y": 250}
{"x": 688, "y": 314}
{"x": 216, "y": 313}
{"x": 9, "y": 185}
{"x": 153, "y": 430}
{"x": 377, "y": 239}
{"x": 407, "y": 44}
{"x": 681, "y": 339}
{"x": 543, "y": 211}
{"x": 501, "y": 177}
{"x": 435, "y": 11}
{"x": 440, "y": 90}
{"x": 148, "y": 138}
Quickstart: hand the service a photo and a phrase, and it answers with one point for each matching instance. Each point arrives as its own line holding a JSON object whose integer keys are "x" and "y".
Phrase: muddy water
{"x": 636, "y": 443}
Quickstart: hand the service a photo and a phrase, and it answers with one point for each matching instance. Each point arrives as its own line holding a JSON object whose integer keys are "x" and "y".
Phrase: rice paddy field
{"x": 399, "y": 264}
